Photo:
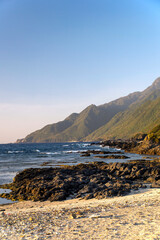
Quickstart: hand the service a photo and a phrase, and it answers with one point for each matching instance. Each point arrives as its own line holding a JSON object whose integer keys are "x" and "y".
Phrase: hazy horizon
{"x": 58, "y": 57}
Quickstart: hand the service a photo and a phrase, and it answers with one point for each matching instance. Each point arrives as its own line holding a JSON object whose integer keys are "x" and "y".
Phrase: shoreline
{"x": 132, "y": 216}
{"x": 93, "y": 180}
{"x": 74, "y": 200}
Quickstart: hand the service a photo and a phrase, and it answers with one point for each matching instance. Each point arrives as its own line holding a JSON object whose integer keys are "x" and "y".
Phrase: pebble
{"x": 110, "y": 221}
{"x": 95, "y": 216}
{"x": 72, "y": 216}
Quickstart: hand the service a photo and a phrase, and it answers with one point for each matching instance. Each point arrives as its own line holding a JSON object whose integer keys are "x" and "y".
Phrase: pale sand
{"x": 135, "y": 216}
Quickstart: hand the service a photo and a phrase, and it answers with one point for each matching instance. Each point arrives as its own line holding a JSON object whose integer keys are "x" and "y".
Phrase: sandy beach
{"x": 135, "y": 216}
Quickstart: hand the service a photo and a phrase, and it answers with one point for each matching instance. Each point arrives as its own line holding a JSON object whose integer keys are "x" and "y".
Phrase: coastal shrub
{"x": 156, "y": 130}
{"x": 151, "y": 137}
{"x": 139, "y": 136}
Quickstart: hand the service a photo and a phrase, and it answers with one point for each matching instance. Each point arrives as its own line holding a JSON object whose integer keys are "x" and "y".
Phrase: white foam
{"x": 10, "y": 152}
{"x": 86, "y": 144}
{"x": 49, "y": 153}
{"x": 105, "y": 146}
{"x": 72, "y": 151}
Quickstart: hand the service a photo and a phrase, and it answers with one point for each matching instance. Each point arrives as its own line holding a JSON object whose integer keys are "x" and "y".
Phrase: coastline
{"x": 134, "y": 216}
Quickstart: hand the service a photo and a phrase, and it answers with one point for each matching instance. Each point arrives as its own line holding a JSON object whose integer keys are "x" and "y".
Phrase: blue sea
{"x": 17, "y": 157}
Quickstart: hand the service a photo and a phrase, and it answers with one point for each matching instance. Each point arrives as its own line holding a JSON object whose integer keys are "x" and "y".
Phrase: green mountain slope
{"x": 154, "y": 135}
{"x": 156, "y": 130}
{"x": 141, "y": 116}
{"x": 52, "y": 129}
{"x": 121, "y": 118}
{"x": 77, "y": 126}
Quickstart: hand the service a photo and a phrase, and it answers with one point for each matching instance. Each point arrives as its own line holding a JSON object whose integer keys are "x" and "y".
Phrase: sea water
{"x": 17, "y": 157}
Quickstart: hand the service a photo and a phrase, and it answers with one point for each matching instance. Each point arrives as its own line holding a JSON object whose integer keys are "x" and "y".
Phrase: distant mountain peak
{"x": 123, "y": 117}
{"x": 156, "y": 83}
{"x": 155, "y": 86}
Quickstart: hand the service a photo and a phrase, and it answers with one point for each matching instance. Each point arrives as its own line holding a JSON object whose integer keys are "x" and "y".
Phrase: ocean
{"x": 17, "y": 157}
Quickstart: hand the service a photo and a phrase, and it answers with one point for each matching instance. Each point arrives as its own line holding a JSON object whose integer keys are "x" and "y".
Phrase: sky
{"x": 59, "y": 56}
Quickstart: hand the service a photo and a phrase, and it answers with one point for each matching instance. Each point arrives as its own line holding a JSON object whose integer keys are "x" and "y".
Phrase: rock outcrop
{"x": 145, "y": 146}
{"x": 93, "y": 180}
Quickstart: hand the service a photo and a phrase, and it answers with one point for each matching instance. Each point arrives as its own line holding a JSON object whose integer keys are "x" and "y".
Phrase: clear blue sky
{"x": 59, "y": 56}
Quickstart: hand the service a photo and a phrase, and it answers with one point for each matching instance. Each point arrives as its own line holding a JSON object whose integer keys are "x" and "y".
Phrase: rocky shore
{"x": 94, "y": 180}
{"x": 139, "y": 146}
{"x": 102, "y": 200}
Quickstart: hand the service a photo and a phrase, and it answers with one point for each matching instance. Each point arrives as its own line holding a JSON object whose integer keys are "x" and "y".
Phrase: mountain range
{"x": 121, "y": 118}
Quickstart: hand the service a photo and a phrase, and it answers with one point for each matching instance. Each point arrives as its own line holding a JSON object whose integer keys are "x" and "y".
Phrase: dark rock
{"x": 96, "y": 179}
{"x": 86, "y": 155}
{"x": 113, "y": 156}
{"x": 100, "y": 152}
{"x": 45, "y": 163}
{"x": 135, "y": 145}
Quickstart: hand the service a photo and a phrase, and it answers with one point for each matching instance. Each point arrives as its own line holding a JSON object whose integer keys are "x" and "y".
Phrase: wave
{"x": 49, "y": 153}
{"x": 74, "y": 151}
{"x": 71, "y": 151}
{"x": 107, "y": 147}
{"x": 86, "y": 144}
{"x": 37, "y": 150}
{"x": 11, "y": 152}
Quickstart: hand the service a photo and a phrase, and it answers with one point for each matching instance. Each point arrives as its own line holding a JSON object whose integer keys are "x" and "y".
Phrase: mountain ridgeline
{"x": 121, "y": 118}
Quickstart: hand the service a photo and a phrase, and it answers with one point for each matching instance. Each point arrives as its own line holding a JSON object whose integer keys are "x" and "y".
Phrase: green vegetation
{"x": 78, "y": 126}
{"x": 156, "y": 130}
{"x": 154, "y": 135}
{"x": 122, "y": 118}
{"x": 140, "y": 117}
{"x": 151, "y": 137}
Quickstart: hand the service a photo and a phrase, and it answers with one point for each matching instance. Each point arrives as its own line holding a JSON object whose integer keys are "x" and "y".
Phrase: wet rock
{"x": 72, "y": 216}
{"x": 45, "y": 163}
{"x": 99, "y": 152}
{"x": 156, "y": 184}
{"x": 135, "y": 145}
{"x": 97, "y": 179}
{"x": 113, "y": 156}
{"x": 86, "y": 155}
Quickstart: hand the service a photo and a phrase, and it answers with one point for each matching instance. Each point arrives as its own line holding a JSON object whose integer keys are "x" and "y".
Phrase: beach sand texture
{"x": 135, "y": 216}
